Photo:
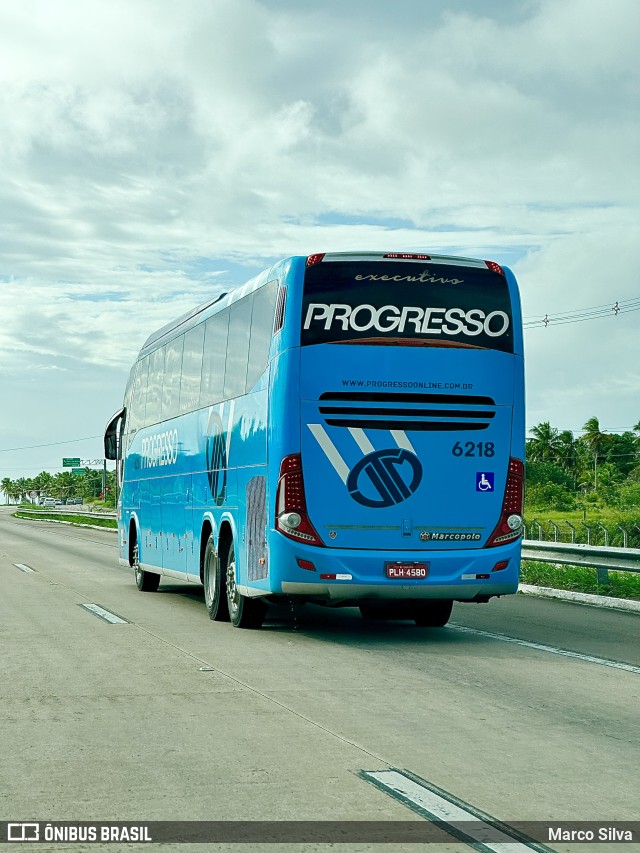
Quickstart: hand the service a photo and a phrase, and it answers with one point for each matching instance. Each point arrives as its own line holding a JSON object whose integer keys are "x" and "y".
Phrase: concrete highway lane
{"x": 166, "y": 715}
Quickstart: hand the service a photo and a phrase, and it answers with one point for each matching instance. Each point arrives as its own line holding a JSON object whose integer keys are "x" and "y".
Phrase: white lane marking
{"x": 23, "y": 568}
{"x": 104, "y": 614}
{"x": 448, "y": 811}
{"x": 402, "y": 439}
{"x": 627, "y": 667}
{"x": 331, "y": 451}
{"x": 360, "y": 438}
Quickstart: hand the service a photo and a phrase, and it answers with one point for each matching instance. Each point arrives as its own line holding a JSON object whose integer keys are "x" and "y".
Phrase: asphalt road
{"x": 169, "y": 716}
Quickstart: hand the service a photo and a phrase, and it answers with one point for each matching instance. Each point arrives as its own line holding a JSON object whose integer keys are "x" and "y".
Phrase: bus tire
{"x": 215, "y": 587}
{"x": 433, "y": 614}
{"x": 145, "y": 581}
{"x": 244, "y": 612}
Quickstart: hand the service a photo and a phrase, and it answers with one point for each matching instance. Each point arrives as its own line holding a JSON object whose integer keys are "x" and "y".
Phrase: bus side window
{"x": 154, "y": 387}
{"x": 235, "y": 377}
{"x": 191, "y": 369}
{"x": 261, "y": 331}
{"x": 214, "y": 358}
{"x": 136, "y": 417}
{"x": 172, "y": 372}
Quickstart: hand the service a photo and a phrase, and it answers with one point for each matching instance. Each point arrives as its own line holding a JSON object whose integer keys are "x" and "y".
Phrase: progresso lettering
{"x": 422, "y": 321}
{"x": 159, "y": 449}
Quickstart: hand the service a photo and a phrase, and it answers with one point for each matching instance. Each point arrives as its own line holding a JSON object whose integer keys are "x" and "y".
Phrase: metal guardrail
{"x": 600, "y": 558}
{"x": 66, "y": 510}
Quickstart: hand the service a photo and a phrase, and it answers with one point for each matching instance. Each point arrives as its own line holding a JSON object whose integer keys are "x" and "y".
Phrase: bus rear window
{"x": 406, "y": 304}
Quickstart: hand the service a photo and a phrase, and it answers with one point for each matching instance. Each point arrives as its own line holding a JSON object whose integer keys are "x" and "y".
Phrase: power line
{"x": 50, "y": 444}
{"x": 580, "y": 315}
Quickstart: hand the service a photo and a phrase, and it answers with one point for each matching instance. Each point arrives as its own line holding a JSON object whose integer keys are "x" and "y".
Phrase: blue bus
{"x": 345, "y": 429}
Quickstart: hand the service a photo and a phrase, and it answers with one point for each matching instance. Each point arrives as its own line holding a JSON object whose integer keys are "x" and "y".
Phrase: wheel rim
{"x": 233, "y": 596}
{"x": 136, "y": 563}
{"x": 211, "y": 584}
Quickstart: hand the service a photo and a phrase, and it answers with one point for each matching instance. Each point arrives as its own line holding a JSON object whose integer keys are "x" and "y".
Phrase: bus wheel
{"x": 244, "y": 612}
{"x": 433, "y": 614}
{"x": 145, "y": 581}
{"x": 215, "y": 588}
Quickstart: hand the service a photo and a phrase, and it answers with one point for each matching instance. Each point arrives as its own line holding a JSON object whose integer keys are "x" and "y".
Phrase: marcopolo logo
{"x": 385, "y": 477}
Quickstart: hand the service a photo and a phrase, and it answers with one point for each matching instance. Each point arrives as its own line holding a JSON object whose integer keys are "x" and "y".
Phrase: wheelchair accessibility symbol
{"x": 484, "y": 481}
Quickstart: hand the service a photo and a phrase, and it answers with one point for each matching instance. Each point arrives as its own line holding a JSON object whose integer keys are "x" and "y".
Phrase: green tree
{"x": 545, "y": 444}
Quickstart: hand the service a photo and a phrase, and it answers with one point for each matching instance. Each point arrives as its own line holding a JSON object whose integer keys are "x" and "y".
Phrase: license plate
{"x": 402, "y": 571}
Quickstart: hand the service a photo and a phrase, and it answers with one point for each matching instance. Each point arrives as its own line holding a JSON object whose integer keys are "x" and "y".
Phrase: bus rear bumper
{"x": 341, "y": 576}
{"x": 348, "y": 592}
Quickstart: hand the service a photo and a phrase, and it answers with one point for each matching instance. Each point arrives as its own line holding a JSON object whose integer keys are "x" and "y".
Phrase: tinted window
{"x": 139, "y": 398}
{"x": 154, "y": 386}
{"x": 171, "y": 384}
{"x": 406, "y": 303}
{"x": 261, "y": 331}
{"x": 214, "y": 358}
{"x": 191, "y": 369}
{"x": 235, "y": 378}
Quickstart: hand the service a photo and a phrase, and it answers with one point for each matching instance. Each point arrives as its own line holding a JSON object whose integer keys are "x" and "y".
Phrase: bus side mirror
{"x": 112, "y": 434}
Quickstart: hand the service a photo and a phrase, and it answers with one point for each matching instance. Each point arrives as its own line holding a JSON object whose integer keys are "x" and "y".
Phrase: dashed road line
{"x": 627, "y": 667}
{"x": 461, "y": 820}
{"x": 107, "y": 615}
{"x": 23, "y": 568}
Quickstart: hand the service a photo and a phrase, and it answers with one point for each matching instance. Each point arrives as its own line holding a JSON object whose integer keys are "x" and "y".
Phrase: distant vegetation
{"x": 591, "y": 483}
{"x": 62, "y": 486}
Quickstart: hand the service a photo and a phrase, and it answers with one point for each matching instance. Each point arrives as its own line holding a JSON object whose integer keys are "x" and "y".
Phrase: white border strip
{"x": 23, "y": 568}
{"x": 607, "y": 601}
{"x": 627, "y": 667}
{"x": 104, "y": 614}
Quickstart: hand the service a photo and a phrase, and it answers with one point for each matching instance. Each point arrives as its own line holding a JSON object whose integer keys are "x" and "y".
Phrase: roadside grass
{"x": 79, "y": 520}
{"x": 581, "y": 579}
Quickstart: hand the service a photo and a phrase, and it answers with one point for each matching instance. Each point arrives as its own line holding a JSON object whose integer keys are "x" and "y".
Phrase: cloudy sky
{"x": 154, "y": 153}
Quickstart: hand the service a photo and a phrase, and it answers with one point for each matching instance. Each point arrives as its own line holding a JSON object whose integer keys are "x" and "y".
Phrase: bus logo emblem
{"x": 393, "y": 475}
{"x": 216, "y": 452}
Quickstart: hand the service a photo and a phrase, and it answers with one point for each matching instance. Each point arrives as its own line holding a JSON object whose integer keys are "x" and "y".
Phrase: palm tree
{"x": 595, "y": 439}
{"x": 545, "y": 445}
{"x": 7, "y": 487}
{"x": 568, "y": 452}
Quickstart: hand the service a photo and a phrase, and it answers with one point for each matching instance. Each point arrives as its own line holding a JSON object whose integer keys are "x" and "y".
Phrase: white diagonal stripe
{"x": 402, "y": 440}
{"x": 449, "y": 812}
{"x": 361, "y": 440}
{"x": 107, "y": 615}
{"x": 330, "y": 450}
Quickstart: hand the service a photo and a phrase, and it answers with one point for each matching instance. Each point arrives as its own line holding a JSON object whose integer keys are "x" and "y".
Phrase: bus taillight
{"x": 291, "y": 505}
{"x": 494, "y": 267}
{"x": 509, "y": 527}
{"x": 315, "y": 259}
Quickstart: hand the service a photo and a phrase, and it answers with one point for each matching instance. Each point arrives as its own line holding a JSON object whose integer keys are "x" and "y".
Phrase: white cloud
{"x": 149, "y": 145}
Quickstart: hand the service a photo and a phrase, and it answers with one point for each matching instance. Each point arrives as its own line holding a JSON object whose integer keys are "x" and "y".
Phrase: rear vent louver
{"x": 423, "y": 412}
{"x": 281, "y": 300}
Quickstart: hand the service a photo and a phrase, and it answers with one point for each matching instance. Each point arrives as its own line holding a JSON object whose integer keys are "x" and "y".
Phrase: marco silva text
{"x": 600, "y": 833}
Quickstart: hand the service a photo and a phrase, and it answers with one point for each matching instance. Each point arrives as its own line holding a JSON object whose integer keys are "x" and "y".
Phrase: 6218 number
{"x": 472, "y": 448}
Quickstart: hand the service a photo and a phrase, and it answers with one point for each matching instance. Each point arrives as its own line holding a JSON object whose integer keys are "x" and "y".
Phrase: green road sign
{"x": 77, "y": 470}
{"x": 73, "y": 462}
